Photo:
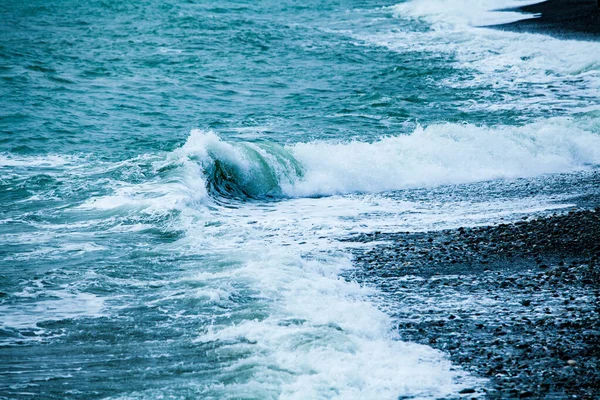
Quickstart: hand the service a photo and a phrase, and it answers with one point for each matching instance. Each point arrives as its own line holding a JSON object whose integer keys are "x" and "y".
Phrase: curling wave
{"x": 243, "y": 170}
{"x": 436, "y": 155}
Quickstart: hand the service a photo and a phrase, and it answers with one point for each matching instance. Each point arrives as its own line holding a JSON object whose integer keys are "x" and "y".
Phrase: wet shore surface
{"x": 516, "y": 303}
{"x": 576, "y": 19}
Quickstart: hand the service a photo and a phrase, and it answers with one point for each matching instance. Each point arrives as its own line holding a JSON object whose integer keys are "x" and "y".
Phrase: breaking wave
{"x": 431, "y": 156}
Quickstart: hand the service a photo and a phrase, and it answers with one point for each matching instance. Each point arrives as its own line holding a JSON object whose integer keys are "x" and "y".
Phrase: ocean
{"x": 177, "y": 179}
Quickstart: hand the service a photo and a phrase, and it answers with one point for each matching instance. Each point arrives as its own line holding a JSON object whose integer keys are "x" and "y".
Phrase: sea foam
{"x": 444, "y": 154}
{"x": 435, "y": 155}
{"x": 456, "y": 12}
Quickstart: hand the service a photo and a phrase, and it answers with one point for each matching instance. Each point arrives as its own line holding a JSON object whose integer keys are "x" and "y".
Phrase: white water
{"x": 306, "y": 332}
{"x": 471, "y": 13}
{"x": 445, "y": 154}
{"x": 531, "y": 71}
{"x": 436, "y": 155}
{"x": 324, "y": 337}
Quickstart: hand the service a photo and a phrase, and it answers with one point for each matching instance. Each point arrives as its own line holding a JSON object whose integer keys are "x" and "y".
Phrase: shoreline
{"x": 518, "y": 304}
{"x": 566, "y": 19}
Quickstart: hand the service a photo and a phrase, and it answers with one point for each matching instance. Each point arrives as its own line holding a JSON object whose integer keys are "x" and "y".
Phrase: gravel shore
{"x": 516, "y": 303}
{"x": 577, "y": 19}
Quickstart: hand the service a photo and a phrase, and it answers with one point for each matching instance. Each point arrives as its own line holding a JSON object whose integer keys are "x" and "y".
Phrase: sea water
{"x": 176, "y": 179}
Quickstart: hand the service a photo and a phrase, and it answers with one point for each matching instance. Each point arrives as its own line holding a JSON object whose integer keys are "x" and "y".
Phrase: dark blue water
{"x": 175, "y": 176}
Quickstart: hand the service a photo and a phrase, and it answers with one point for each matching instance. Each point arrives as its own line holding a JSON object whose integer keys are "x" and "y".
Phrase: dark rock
{"x": 538, "y": 318}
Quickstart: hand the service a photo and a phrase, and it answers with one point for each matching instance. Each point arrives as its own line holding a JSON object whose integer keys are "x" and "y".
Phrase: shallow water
{"x": 175, "y": 180}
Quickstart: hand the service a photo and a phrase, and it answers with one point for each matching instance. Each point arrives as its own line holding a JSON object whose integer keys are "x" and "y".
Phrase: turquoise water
{"x": 175, "y": 179}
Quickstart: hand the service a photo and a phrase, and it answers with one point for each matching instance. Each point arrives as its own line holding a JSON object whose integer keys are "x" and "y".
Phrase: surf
{"x": 439, "y": 154}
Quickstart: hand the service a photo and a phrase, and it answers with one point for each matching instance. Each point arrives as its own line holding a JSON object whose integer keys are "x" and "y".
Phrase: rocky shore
{"x": 578, "y": 19}
{"x": 516, "y": 303}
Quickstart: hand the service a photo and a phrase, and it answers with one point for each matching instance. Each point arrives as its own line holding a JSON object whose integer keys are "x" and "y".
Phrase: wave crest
{"x": 243, "y": 170}
{"x": 435, "y": 155}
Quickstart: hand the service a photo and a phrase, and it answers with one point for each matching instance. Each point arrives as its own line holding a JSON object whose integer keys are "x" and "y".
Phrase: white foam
{"x": 526, "y": 56}
{"x": 436, "y": 155}
{"x": 313, "y": 334}
{"x": 451, "y": 13}
{"x": 60, "y": 305}
{"x": 531, "y": 71}
{"x": 328, "y": 364}
{"x": 168, "y": 192}
{"x": 303, "y": 332}
{"x": 49, "y": 161}
{"x": 444, "y": 154}
{"x": 323, "y": 338}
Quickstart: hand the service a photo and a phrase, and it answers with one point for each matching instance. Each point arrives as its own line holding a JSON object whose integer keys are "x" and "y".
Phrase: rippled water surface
{"x": 175, "y": 179}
